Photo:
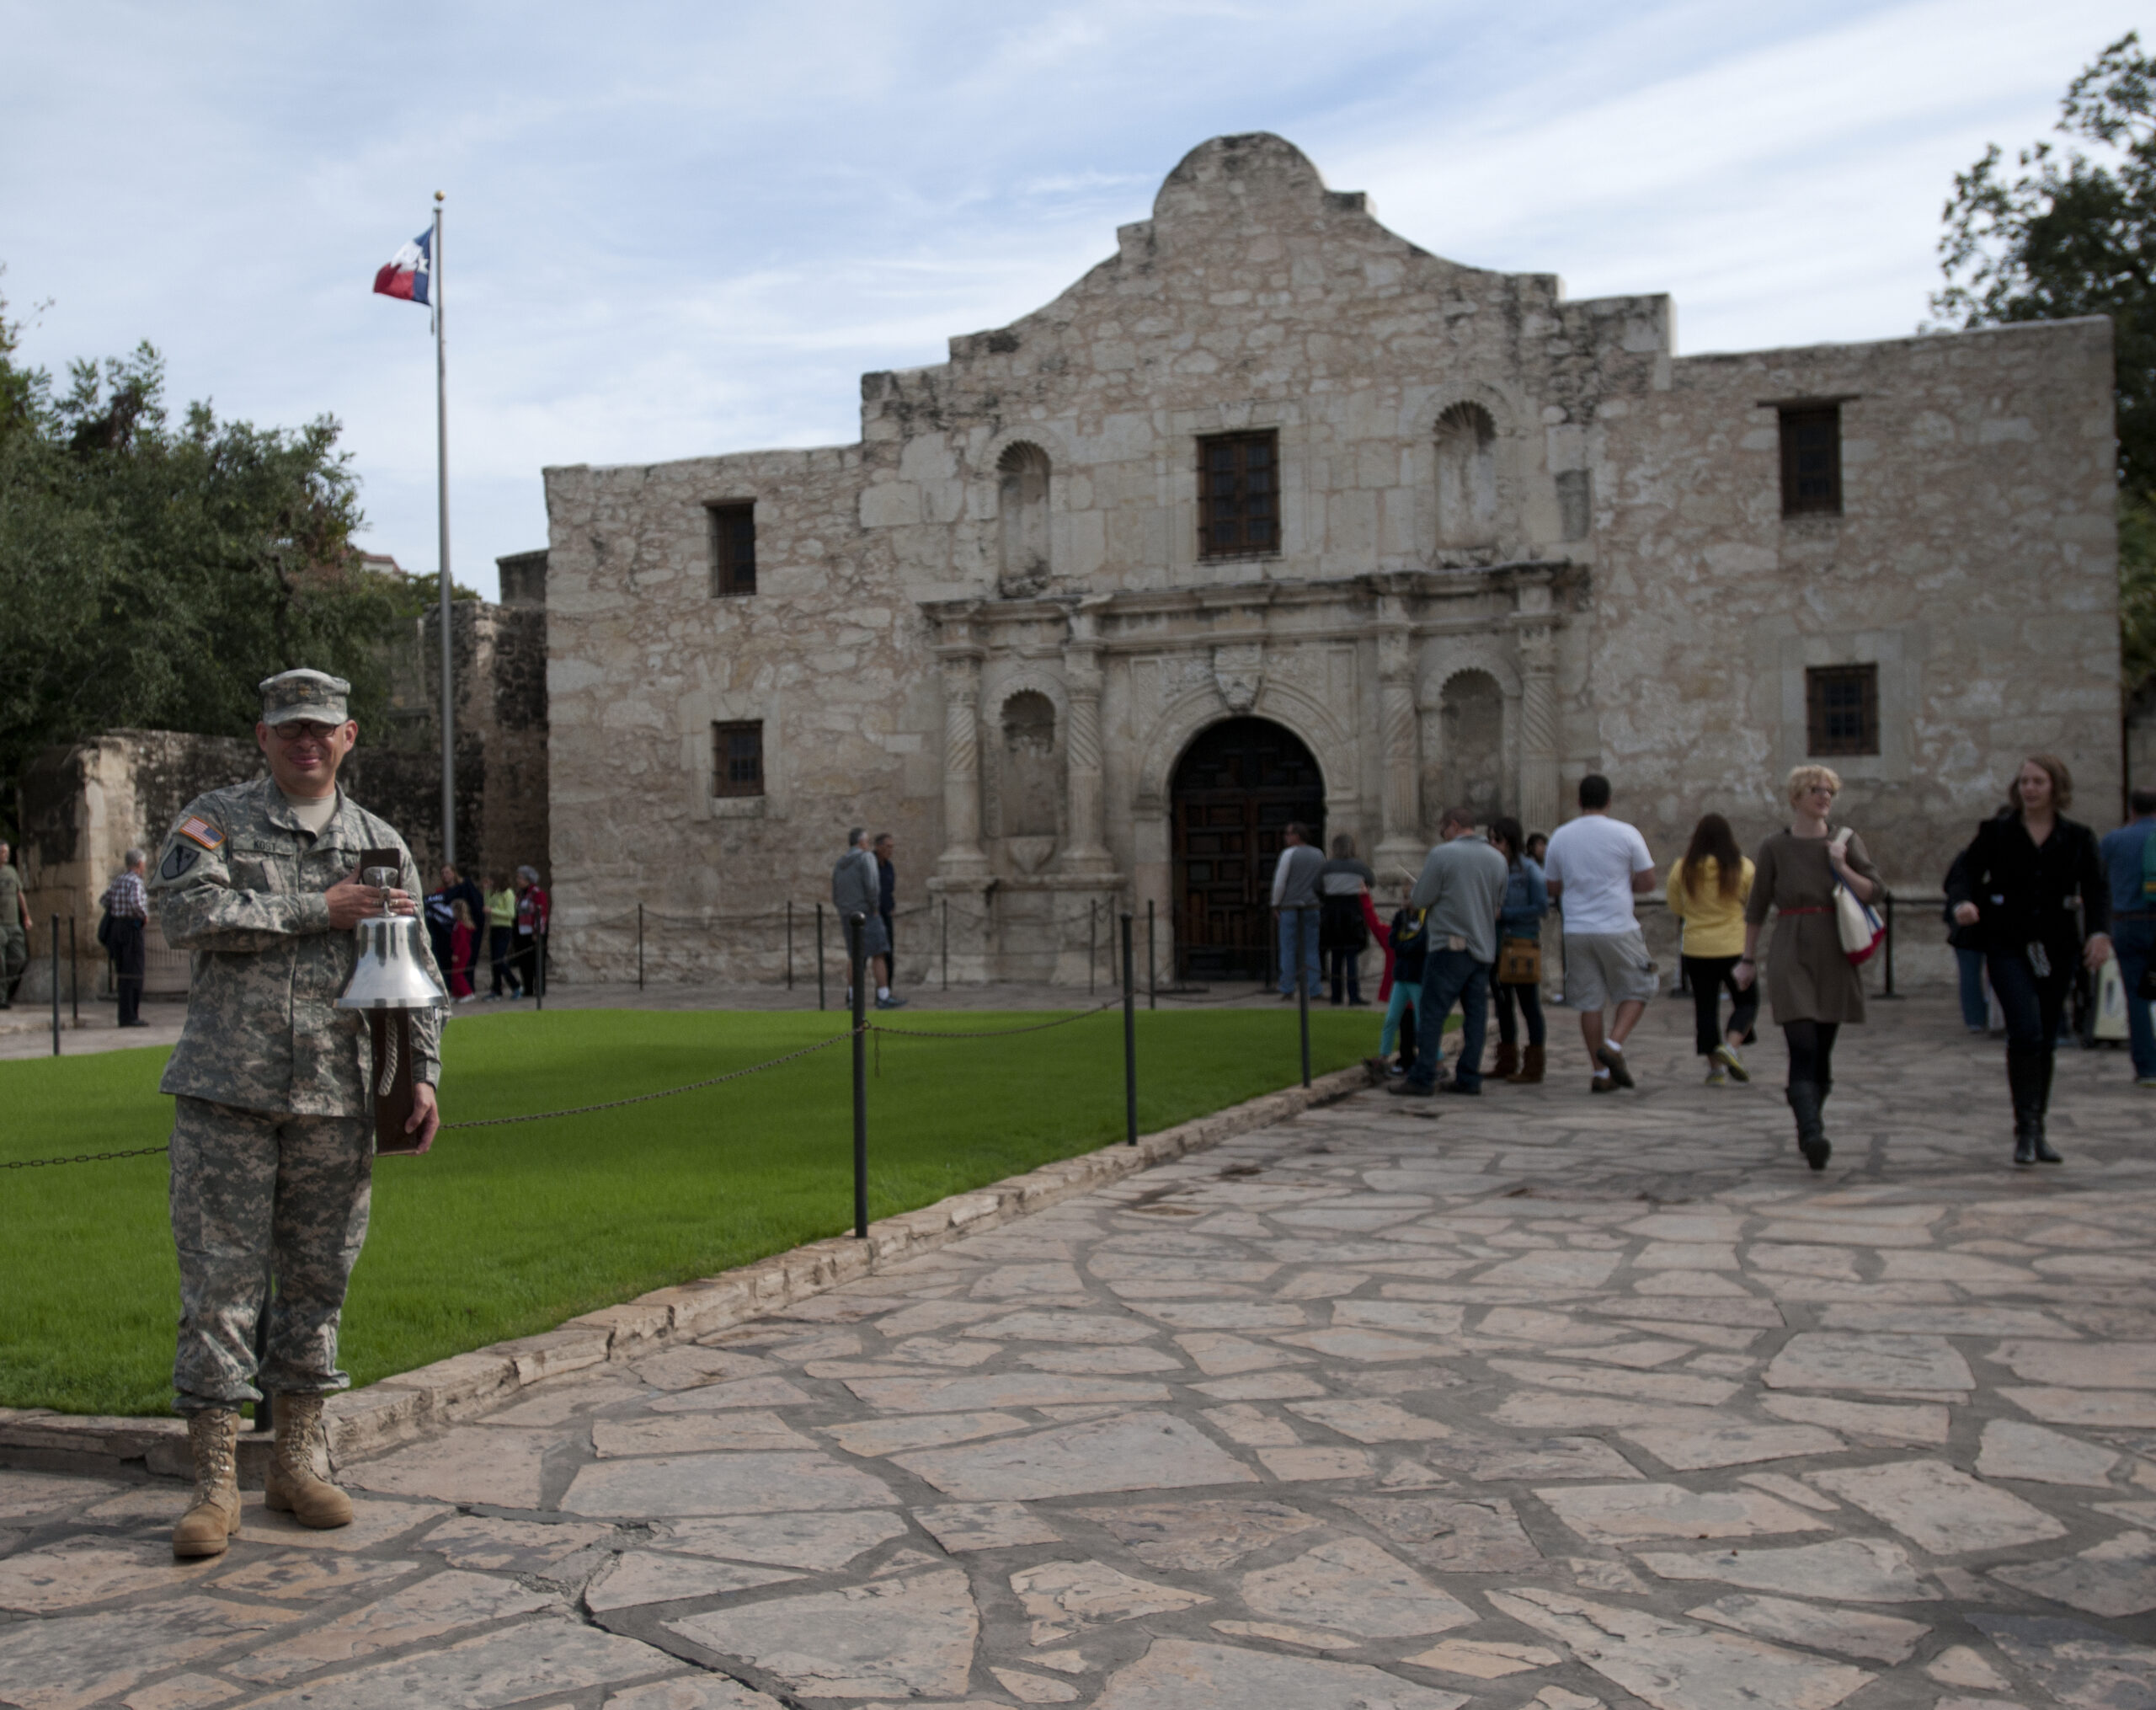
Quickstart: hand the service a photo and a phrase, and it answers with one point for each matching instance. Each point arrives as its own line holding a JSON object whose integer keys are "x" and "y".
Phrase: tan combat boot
{"x": 292, "y": 1483}
{"x": 213, "y": 1518}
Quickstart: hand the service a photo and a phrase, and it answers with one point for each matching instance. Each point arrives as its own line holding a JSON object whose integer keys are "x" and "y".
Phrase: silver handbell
{"x": 393, "y": 971}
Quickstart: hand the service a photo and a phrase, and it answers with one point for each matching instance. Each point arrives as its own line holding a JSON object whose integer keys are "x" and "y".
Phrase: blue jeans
{"x": 1976, "y": 1007}
{"x": 1306, "y": 919}
{"x": 1450, "y": 977}
{"x": 2135, "y": 943}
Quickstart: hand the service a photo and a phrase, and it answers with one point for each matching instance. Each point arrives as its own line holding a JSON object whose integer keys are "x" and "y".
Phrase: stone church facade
{"x": 1273, "y": 515}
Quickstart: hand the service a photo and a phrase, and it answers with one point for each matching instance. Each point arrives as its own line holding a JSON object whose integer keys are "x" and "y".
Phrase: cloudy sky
{"x": 676, "y": 229}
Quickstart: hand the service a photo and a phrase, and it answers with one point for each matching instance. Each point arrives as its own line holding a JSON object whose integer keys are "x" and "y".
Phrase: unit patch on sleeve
{"x": 178, "y": 859}
{"x": 201, "y": 832}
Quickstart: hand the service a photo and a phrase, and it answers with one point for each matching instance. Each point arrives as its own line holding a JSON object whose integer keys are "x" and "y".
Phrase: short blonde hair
{"x": 2061, "y": 782}
{"x": 1803, "y": 778}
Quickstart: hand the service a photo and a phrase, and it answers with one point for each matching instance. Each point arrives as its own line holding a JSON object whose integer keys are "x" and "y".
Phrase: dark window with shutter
{"x": 733, "y": 548}
{"x": 737, "y": 752}
{"x": 1238, "y": 495}
{"x": 1812, "y": 460}
{"x": 1842, "y": 709}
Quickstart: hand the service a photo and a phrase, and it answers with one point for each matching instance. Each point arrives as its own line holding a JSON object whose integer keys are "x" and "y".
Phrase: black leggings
{"x": 1812, "y": 1051}
{"x": 1708, "y": 976}
{"x": 1528, "y": 1001}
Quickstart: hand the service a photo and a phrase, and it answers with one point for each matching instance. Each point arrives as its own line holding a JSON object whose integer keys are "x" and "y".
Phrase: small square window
{"x": 1238, "y": 495}
{"x": 1812, "y": 460}
{"x": 732, "y": 549}
{"x": 737, "y": 752}
{"x": 1842, "y": 709}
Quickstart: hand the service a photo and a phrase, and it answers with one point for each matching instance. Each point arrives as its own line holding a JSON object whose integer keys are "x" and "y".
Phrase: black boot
{"x": 2045, "y": 1153}
{"x": 2024, "y": 1082}
{"x": 1811, "y": 1131}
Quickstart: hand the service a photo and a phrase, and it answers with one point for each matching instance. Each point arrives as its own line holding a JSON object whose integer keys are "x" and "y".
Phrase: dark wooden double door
{"x": 1237, "y": 789}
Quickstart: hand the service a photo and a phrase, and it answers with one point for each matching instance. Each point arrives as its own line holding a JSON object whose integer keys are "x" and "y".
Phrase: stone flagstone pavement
{"x": 1527, "y": 1401}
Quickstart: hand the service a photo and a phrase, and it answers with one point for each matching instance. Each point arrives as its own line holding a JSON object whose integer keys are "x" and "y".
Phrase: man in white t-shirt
{"x": 1596, "y": 866}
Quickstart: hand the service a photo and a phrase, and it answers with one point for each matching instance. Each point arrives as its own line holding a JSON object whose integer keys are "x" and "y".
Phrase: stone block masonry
{"x": 1452, "y": 536}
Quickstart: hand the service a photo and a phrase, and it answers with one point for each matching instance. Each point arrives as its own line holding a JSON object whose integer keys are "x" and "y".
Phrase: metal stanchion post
{"x": 789, "y": 943}
{"x": 264, "y": 1410}
{"x": 75, "y": 975}
{"x": 640, "y": 947}
{"x": 854, "y": 929}
{"x": 1129, "y": 1041}
{"x": 539, "y": 970}
{"x": 819, "y": 955}
{"x": 1092, "y": 942}
{"x": 947, "y": 943}
{"x": 1302, "y": 982}
{"x": 1152, "y": 964}
{"x": 55, "y": 986}
{"x": 1887, "y": 947}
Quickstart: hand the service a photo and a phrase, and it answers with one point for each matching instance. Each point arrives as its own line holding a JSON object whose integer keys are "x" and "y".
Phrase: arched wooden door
{"x": 1235, "y": 789}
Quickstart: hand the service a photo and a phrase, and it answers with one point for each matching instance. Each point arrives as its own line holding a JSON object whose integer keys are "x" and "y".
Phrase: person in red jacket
{"x": 534, "y": 908}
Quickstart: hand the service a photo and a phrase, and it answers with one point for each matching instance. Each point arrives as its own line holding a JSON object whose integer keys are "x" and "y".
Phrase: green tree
{"x": 152, "y": 574}
{"x": 2070, "y": 232}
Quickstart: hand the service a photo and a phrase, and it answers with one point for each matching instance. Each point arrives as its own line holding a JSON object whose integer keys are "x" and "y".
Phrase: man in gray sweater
{"x": 1462, "y": 886}
{"x": 856, "y": 890}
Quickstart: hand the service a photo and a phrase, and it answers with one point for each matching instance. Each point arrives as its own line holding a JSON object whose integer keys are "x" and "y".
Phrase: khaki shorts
{"x": 1605, "y": 968}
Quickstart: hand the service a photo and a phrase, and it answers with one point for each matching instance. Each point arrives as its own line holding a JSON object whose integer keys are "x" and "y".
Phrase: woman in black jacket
{"x": 2017, "y": 885}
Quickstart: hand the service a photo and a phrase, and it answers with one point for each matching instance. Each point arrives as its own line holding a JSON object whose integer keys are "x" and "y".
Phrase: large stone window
{"x": 1811, "y": 462}
{"x": 733, "y": 548}
{"x": 1467, "y": 477}
{"x": 1841, "y": 709}
{"x": 737, "y": 754}
{"x": 1022, "y": 486}
{"x": 1238, "y": 495}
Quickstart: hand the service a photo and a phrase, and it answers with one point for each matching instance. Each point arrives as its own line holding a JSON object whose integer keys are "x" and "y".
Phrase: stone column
{"x": 1538, "y": 727}
{"x": 962, "y": 857}
{"x": 1084, "y": 780}
{"x": 1399, "y": 842}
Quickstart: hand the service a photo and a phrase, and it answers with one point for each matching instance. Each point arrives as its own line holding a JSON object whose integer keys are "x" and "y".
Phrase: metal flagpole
{"x": 441, "y": 444}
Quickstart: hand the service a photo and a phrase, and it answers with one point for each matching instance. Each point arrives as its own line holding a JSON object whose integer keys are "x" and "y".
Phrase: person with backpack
{"x": 2019, "y": 881}
{"x": 2130, "y": 861}
{"x": 1402, "y": 989}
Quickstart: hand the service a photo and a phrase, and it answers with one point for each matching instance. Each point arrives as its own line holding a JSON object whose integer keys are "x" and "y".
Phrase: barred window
{"x": 733, "y": 548}
{"x": 737, "y": 752}
{"x": 1238, "y": 494}
{"x": 1842, "y": 709}
{"x": 1812, "y": 460}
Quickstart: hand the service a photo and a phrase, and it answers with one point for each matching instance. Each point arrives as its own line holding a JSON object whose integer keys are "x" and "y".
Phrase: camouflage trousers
{"x": 257, "y": 1193}
{"x": 14, "y": 955}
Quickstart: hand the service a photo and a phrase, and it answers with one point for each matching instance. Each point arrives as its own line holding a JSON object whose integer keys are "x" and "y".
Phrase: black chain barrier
{"x": 907, "y": 1033}
{"x": 82, "y": 1157}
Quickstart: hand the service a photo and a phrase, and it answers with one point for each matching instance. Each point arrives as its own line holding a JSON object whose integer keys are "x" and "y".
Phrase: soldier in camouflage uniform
{"x": 273, "y": 1137}
{"x": 15, "y": 924}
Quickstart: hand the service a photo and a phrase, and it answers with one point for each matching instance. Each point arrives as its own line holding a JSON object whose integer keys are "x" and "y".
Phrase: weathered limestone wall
{"x": 988, "y": 626}
{"x": 1975, "y": 562}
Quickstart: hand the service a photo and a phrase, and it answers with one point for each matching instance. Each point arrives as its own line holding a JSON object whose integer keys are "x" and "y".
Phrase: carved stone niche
{"x": 1029, "y": 785}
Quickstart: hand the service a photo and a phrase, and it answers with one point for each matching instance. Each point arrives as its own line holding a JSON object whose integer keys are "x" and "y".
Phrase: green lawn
{"x": 504, "y": 1231}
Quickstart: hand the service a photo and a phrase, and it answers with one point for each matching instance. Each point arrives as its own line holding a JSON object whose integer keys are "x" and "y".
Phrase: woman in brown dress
{"x": 1812, "y": 986}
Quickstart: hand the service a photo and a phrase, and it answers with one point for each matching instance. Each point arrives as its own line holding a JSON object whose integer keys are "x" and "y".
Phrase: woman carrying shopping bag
{"x": 1813, "y": 986}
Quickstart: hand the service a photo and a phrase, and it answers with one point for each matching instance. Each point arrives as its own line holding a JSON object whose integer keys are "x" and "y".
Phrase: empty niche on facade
{"x": 1027, "y": 784}
{"x": 1021, "y": 497}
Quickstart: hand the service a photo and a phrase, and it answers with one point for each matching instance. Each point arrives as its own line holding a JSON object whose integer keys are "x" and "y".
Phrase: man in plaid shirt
{"x": 127, "y": 908}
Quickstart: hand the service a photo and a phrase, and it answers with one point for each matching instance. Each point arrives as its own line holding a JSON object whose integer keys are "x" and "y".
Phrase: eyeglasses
{"x": 304, "y": 731}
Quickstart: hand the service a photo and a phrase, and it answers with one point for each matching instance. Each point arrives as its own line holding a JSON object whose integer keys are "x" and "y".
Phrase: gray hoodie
{"x": 1462, "y": 886}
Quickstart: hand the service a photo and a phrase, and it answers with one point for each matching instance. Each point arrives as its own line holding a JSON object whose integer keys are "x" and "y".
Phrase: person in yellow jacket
{"x": 1707, "y": 892}
{"x": 501, "y": 935}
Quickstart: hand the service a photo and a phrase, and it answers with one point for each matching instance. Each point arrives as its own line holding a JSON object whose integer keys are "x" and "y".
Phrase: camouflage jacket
{"x": 240, "y": 883}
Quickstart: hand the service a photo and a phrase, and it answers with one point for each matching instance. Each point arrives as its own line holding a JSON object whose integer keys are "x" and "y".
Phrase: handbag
{"x": 104, "y": 929}
{"x": 1858, "y": 923}
{"x": 1519, "y": 962}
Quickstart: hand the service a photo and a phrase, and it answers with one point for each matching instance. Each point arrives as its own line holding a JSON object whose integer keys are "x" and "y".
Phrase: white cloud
{"x": 676, "y": 229}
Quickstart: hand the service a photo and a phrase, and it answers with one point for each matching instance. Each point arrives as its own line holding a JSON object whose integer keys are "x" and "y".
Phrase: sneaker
{"x": 1395, "y": 1072}
{"x": 1409, "y": 1089}
{"x": 1717, "y": 1075}
{"x": 1602, "y": 1083}
{"x": 893, "y": 1001}
{"x": 1726, "y": 1057}
{"x": 1614, "y": 1060}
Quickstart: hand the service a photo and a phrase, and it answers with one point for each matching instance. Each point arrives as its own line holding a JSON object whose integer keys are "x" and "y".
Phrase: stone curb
{"x": 415, "y": 1404}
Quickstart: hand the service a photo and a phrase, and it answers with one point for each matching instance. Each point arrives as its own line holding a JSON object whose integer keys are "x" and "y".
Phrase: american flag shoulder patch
{"x": 200, "y": 831}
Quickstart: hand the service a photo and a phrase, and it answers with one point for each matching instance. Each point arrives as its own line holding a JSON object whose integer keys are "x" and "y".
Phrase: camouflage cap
{"x": 293, "y": 695}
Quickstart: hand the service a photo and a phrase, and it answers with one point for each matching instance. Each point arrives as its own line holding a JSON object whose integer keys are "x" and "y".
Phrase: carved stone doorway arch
{"x": 1234, "y": 790}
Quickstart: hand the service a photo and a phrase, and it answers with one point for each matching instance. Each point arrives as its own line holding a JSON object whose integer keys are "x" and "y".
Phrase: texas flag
{"x": 406, "y": 274}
